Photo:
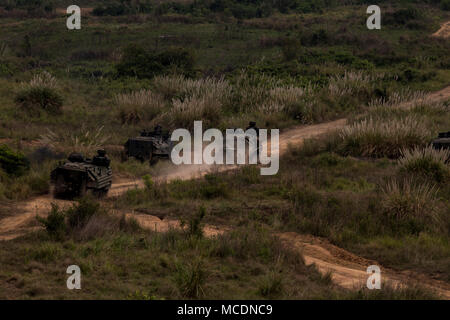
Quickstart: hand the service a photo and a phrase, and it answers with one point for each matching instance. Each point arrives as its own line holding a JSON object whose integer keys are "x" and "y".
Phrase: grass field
{"x": 374, "y": 188}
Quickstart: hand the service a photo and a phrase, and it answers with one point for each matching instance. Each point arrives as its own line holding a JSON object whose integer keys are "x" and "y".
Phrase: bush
{"x": 426, "y": 162}
{"x": 138, "y": 105}
{"x": 32, "y": 100}
{"x": 445, "y": 5}
{"x": 137, "y": 62}
{"x": 272, "y": 284}
{"x": 195, "y": 228}
{"x": 79, "y": 214}
{"x": 40, "y": 94}
{"x": 54, "y": 223}
{"x": 14, "y": 163}
{"x": 190, "y": 279}
{"x": 410, "y": 201}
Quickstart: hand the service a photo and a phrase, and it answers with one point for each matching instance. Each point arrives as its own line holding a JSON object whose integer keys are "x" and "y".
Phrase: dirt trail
{"x": 348, "y": 270}
{"x": 444, "y": 31}
{"x": 441, "y": 95}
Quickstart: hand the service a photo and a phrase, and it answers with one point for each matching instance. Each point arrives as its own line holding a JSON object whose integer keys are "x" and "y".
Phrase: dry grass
{"x": 408, "y": 199}
{"x": 179, "y": 87}
{"x": 399, "y": 98}
{"x": 376, "y": 138}
{"x": 426, "y": 162}
{"x": 435, "y": 155}
{"x": 139, "y": 105}
{"x": 351, "y": 82}
{"x": 184, "y": 112}
{"x": 42, "y": 80}
{"x": 85, "y": 141}
{"x": 406, "y": 102}
{"x": 288, "y": 95}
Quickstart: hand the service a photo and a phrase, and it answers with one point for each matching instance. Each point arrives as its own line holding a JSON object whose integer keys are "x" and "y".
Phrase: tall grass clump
{"x": 376, "y": 138}
{"x": 426, "y": 162}
{"x": 400, "y": 98}
{"x": 180, "y": 87}
{"x": 190, "y": 279}
{"x": 410, "y": 201}
{"x": 40, "y": 94}
{"x": 138, "y": 105}
{"x": 406, "y": 102}
{"x": 85, "y": 141}
{"x": 184, "y": 112}
{"x": 352, "y": 83}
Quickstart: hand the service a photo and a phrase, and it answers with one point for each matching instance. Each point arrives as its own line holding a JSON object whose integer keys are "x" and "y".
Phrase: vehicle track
{"x": 347, "y": 269}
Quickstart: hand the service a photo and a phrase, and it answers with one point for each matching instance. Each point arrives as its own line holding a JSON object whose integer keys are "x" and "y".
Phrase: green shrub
{"x": 14, "y": 163}
{"x": 194, "y": 224}
{"x": 445, "y": 5}
{"x": 190, "y": 279}
{"x": 54, "y": 223}
{"x": 79, "y": 213}
{"x": 137, "y": 62}
{"x": 33, "y": 100}
{"x": 271, "y": 285}
{"x": 213, "y": 187}
{"x": 410, "y": 201}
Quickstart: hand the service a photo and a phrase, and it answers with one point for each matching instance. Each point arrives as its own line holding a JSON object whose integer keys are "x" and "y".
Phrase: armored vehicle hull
{"x": 442, "y": 141}
{"x": 75, "y": 178}
{"x": 148, "y": 148}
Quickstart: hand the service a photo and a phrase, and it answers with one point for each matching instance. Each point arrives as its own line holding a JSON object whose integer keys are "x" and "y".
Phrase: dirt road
{"x": 347, "y": 270}
{"x": 444, "y": 31}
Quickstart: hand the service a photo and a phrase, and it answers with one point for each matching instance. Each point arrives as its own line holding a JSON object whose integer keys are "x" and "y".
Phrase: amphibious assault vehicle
{"x": 250, "y": 144}
{"x": 76, "y": 176}
{"x": 149, "y": 146}
{"x": 442, "y": 141}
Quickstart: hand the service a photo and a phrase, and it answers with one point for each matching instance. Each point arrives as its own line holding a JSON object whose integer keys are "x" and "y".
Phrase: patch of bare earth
{"x": 444, "y": 31}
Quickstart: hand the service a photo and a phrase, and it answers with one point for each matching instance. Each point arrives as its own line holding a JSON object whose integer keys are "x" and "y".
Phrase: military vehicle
{"x": 76, "y": 176}
{"x": 149, "y": 146}
{"x": 442, "y": 141}
{"x": 249, "y": 143}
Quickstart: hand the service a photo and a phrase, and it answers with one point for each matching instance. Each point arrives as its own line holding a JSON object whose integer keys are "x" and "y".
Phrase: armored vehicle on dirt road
{"x": 442, "y": 141}
{"x": 149, "y": 146}
{"x": 78, "y": 175}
